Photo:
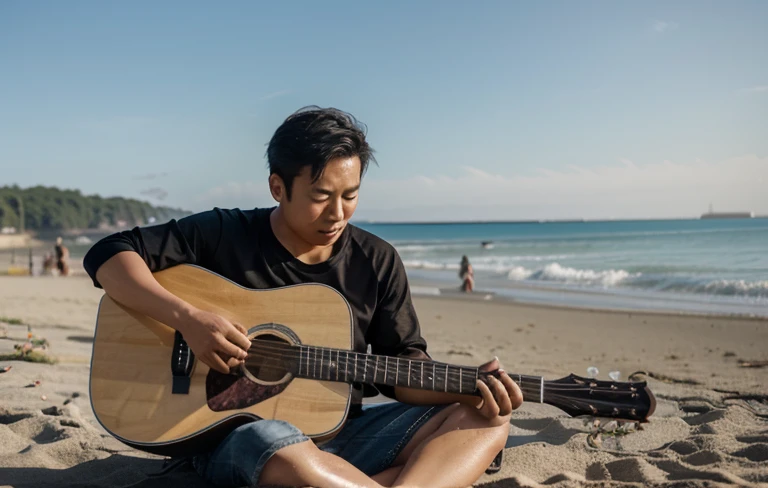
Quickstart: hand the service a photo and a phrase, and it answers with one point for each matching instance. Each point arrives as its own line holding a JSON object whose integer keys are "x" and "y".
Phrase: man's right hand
{"x": 215, "y": 340}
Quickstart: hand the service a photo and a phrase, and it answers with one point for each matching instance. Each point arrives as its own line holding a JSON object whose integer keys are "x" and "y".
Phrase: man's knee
{"x": 281, "y": 467}
{"x": 264, "y": 441}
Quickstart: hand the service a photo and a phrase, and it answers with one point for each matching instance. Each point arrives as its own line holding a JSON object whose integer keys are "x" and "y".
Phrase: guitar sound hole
{"x": 266, "y": 362}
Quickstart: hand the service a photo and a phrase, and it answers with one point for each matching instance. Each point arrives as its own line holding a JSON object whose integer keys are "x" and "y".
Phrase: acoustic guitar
{"x": 149, "y": 392}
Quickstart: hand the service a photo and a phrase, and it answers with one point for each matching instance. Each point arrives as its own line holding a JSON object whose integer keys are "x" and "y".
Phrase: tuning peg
{"x": 615, "y": 375}
{"x": 592, "y": 372}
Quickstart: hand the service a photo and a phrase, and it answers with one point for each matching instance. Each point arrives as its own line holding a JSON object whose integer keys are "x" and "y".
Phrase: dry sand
{"x": 710, "y": 426}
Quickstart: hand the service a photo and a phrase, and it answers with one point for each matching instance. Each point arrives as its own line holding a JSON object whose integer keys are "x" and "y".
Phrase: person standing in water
{"x": 62, "y": 257}
{"x": 467, "y": 275}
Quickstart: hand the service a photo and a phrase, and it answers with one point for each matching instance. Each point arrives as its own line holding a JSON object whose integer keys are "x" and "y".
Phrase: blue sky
{"x": 490, "y": 111}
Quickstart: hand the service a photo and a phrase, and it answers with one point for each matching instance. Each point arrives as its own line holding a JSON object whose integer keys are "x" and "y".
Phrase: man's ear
{"x": 277, "y": 187}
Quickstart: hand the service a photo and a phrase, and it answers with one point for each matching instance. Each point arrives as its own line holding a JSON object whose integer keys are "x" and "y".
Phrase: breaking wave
{"x": 561, "y": 274}
{"x": 648, "y": 279}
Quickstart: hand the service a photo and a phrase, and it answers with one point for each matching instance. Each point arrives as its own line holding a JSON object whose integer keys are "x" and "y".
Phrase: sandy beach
{"x": 710, "y": 427}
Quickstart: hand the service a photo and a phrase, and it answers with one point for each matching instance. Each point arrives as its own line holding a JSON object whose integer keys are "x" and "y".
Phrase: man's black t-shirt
{"x": 240, "y": 245}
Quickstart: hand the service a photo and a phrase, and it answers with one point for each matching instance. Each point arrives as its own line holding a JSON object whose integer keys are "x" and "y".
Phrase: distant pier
{"x": 728, "y": 215}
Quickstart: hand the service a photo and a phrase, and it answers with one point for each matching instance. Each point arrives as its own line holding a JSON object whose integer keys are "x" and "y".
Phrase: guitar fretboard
{"x": 328, "y": 364}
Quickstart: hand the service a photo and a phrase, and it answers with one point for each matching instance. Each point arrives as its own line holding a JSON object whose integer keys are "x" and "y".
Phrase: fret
{"x": 434, "y": 376}
{"x": 346, "y": 366}
{"x": 314, "y": 365}
{"x": 365, "y": 368}
{"x": 301, "y": 354}
{"x": 375, "y": 369}
{"x": 397, "y": 370}
{"x": 461, "y": 378}
{"x": 421, "y": 376}
{"x": 446, "y": 378}
{"x": 354, "y": 368}
{"x": 409, "y": 373}
{"x": 386, "y": 367}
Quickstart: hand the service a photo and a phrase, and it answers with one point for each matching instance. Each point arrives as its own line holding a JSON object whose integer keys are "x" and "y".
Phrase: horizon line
{"x": 542, "y": 221}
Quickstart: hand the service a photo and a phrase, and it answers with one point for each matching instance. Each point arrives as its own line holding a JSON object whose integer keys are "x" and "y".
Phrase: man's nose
{"x": 336, "y": 210}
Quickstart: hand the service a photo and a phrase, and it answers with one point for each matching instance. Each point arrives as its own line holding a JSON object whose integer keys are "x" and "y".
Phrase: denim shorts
{"x": 370, "y": 440}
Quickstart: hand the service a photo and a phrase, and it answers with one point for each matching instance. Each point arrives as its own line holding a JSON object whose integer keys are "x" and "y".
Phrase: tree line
{"x": 50, "y": 208}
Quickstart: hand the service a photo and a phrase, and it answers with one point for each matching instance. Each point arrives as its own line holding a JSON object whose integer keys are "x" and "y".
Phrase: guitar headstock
{"x": 587, "y": 396}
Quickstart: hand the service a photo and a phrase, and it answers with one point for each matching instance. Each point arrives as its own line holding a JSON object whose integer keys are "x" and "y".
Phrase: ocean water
{"x": 704, "y": 266}
{"x": 700, "y": 266}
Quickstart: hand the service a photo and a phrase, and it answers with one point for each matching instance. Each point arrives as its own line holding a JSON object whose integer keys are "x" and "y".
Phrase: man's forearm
{"x": 427, "y": 397}
{"x": 126, "y": 278}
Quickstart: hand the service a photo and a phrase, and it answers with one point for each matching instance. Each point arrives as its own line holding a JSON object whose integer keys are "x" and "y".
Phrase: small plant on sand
{"x": 11, "y": 320}
{"x": 34, "y": 350}
{"x": 611, "y": 428}
{"x": 31, "y": 356}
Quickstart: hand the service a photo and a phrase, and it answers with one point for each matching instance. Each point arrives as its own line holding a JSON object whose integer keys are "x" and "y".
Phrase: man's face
{"x": 318, "y": 212}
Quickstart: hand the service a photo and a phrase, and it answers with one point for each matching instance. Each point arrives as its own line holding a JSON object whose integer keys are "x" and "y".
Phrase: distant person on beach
{"x": 467, "y": 275}
{"x": 48, "y": 263}
{"x": 62, "y": 257}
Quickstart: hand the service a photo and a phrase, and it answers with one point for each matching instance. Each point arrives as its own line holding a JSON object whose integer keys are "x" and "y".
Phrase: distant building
{"x": 727, "y": 215}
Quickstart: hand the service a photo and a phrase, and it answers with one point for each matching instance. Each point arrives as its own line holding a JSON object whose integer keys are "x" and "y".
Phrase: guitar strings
{"x": 527, "y": 390}
{"x": 531, "y": 388}
{"x": 553, "y": 391}
{"x": 290, "y": 352}
{"x": 533, "y": 392}
{"x": 285, "y": 352}
{"x": 467, "y": 373}
{"x": 452, "y": 382}
{"x": 391, "y": 371}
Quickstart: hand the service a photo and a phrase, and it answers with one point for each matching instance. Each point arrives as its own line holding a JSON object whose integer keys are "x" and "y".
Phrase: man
{"x": 316, "y": 158}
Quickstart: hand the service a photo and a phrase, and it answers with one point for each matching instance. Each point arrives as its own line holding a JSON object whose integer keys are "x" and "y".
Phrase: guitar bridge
{"x": 182, "y": 361}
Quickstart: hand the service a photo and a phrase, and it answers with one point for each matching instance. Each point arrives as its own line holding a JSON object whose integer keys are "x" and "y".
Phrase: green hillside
{"x": 50, "y": 208}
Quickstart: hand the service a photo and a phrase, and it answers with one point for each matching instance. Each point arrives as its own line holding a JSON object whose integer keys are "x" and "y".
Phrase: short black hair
{"x": 313, "y": 136}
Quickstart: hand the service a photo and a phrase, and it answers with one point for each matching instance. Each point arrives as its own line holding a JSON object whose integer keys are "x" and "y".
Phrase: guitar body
{"x": 132, "y": 385}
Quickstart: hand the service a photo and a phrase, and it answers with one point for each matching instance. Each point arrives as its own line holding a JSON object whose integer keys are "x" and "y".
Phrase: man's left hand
{"x": 500, "y": 396}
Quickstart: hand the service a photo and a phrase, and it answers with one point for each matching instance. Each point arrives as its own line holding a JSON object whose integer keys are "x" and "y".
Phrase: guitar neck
{"x": 340, "y": 365}
{"x": 572, "y": 394}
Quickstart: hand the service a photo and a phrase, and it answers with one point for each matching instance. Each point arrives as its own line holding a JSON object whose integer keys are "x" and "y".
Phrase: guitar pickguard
{"x": 230, "y": 392}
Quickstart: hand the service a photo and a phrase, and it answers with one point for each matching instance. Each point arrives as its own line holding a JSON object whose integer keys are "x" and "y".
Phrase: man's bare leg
{"x": 303, "y": 464}
{"x": 452, "y": 449}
